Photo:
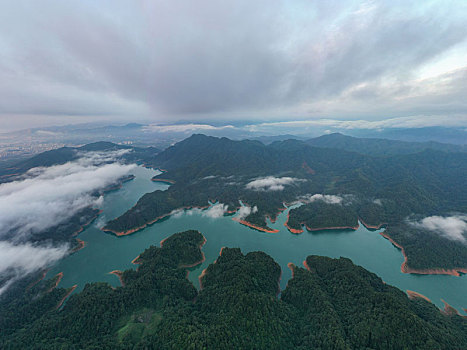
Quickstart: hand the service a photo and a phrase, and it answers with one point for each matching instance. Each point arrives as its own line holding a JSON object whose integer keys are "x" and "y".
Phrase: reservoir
{"x": 105, "y": 252}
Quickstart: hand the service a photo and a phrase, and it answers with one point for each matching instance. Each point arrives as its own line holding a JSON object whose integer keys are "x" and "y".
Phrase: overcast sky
{"x": 164, "y": 61}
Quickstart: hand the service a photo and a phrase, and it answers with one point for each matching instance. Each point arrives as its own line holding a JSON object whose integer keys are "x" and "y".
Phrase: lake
{"x": 105, "y": 252}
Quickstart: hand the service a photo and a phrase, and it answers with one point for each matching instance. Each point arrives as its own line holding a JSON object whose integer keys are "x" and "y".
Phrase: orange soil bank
{"x": 306, "y": 265}
{"x": 59, "y": 278}
{"x": 449, "y": 310}
{"x": 168, "y": 181}
{"x": 135, "y": 261}
{"x": 406, "y": 269}
{"x": 200, "y": 278}
{"x": 273, "y": 220}
{"x": 297, "y": 231}
{"x": 246, "y": 223}
{"x": 291, "y": 267}
{"x": 372, "y": 227}
{"x": 66, "y": 296}
{"x": 119, "y": 274}
{"x": 293, "y": 230}
{"x": 32, "y": 284}
{"x": 413, "y": 295}
{"x": 81, "y": 245}
{"x": 161, "y": 243}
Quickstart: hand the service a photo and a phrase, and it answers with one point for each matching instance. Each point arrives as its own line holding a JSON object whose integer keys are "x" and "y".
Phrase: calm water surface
{"x": 105, "y": 252}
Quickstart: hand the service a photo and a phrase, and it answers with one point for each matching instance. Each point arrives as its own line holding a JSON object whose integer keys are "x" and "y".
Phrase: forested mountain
{"x": 383, "y": 190}
{"x": 380, "y": 147}
{"x": 332, "y": 304}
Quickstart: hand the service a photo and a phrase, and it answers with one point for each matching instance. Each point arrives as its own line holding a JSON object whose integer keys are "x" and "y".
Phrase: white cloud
{"x": 18, "y": 260}
{"x": 185, "y": 128}
{"x": 240, "y": 59}
{"x": 178, "y": 213}
{"x": 215, "y": 211}
{"x": 451, "y": 227}
{"x": 244, "y": 211}
{"x": 327, "y": 198}
{"x": 271, "y": 183}
{"x": 378, "y": 201}
{"x": 48, "y": 196}
{"x": 400, "y": 122}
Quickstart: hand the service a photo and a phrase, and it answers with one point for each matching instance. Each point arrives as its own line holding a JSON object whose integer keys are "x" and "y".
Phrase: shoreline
{"x": 81, "y": 245}
{"x": 166, "y": 181}
{"x": 415, "y": 295}
{"x": 291, "y": 267}
{"x": 200, "y": 277}
{"x": 59, "y": 278}
{"x": 256, "y": 227}
{"x": 433, "y": 271}
{"x": 119, "y": 274}
{"x": 203, "y": 273}
{"x": 306, "y": 265}
{"x": 60, "y": 303}
{"x": 136, "y": 229}
{"x": 135, "y": 260}
{"x": 354, "y": 228}
{"x": 32, "y": 284}
{"x": 196, "y": 263}
{"x": 292, "y": 230}
{"x": 449, "y": 310}
{"x": 372, "y": 227}
{"x": 120, "y": 184}
{"x": 86, "y": 224}
{"x": 298, "y": 231}
{"x": 273, "y": 220}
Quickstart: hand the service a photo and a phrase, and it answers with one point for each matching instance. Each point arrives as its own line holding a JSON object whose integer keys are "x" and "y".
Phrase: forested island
{"x": 330, "y": 304}
{"x": 382, "y": 183}
{"x": 377, "y": 190}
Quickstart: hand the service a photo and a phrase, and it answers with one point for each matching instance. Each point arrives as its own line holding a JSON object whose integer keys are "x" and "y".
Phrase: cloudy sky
{"x": 166, "y": 61}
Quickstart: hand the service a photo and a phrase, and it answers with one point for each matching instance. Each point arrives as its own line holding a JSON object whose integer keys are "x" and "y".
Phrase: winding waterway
{"x": 105, "y": 252}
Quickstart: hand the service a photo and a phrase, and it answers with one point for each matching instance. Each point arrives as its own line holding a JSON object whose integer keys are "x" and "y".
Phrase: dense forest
{"x": 319, "y": 215}
{"x": 378, "y": 146}
{"x": 384, "y": 190}
{"x": 333, "y": 304}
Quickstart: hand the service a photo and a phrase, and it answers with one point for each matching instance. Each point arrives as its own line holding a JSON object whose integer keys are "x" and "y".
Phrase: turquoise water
{"x": 105, "y": 252}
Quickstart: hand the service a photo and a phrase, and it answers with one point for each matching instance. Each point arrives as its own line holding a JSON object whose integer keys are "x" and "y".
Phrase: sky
{"x": 161, "y": 62}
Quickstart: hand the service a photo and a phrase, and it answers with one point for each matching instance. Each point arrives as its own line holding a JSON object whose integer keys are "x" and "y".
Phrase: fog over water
{"x": 105, "y": 252}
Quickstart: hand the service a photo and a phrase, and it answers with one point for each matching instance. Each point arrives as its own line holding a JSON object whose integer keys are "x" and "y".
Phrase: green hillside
{"x": 218, "y": 169}
{"x": 334, "y": 305}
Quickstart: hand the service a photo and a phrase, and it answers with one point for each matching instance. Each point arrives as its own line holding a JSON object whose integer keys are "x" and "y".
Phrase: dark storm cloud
{"x": 167, "y": 59}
